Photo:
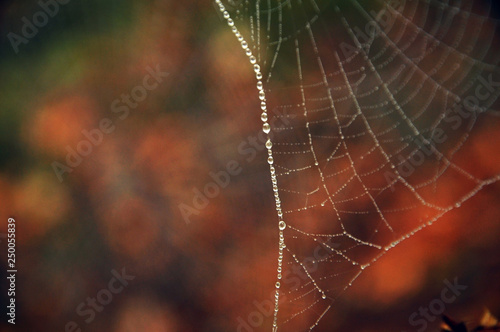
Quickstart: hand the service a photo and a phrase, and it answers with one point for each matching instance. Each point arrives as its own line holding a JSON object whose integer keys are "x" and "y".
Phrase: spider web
{"x": 381, "y": 104}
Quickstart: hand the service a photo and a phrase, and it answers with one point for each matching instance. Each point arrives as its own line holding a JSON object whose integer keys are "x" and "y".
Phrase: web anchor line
{"x": 266, "y": 128}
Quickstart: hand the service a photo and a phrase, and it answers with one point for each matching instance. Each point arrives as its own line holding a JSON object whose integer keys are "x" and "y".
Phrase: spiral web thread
{"x": 380, "y": 103}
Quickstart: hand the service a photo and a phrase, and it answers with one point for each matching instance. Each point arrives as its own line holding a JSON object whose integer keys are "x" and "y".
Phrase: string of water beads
{"x": 266, "y": 128}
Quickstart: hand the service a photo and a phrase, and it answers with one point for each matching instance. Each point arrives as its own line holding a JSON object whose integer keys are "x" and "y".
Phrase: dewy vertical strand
{"x": 266, "y": 128}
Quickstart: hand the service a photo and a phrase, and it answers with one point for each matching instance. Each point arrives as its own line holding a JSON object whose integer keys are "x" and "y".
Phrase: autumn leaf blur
{"x": 487, "y": 323}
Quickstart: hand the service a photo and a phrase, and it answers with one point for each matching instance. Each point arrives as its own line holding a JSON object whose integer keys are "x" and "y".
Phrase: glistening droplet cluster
{"x": 266, "y": 128}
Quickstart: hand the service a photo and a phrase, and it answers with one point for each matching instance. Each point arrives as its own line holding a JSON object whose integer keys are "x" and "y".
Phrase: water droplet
{"x": 262, "y": 95}
{"x": 253, "y": 60}
{"x": 269, "y": 144}
{"x": 278, "y": 284}
{"x": 282, "y": 225}
{"x": 323, "y": 296}
{"x": 263, "y": 117}
{"x": 266, "y": 128}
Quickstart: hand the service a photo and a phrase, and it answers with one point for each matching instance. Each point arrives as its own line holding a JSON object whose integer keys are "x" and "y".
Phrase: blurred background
{"x": 129, "y": 200}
